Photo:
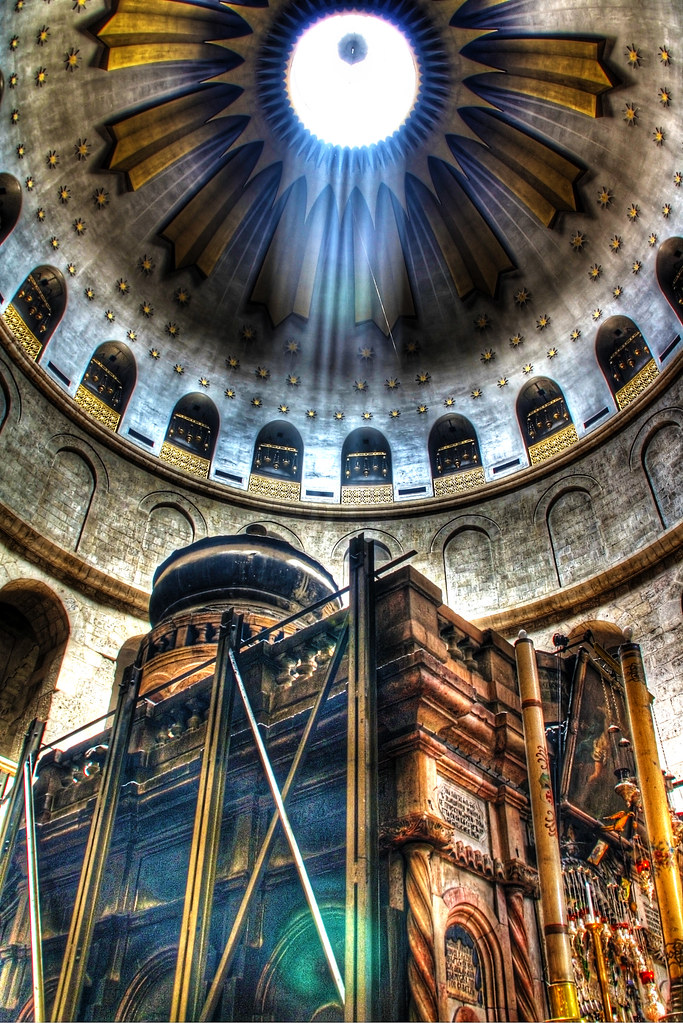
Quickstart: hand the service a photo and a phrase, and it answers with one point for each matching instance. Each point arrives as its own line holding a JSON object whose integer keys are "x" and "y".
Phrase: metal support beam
{"x": 235, "y": 935}
{"x": 362, "y": 890}
{"x": 289, "y": 834}
{"x": 188, "y": 986}
{"x": 71, "y": 978}
{"x": 33, "y": 896}
{"x": 12, "y": 819}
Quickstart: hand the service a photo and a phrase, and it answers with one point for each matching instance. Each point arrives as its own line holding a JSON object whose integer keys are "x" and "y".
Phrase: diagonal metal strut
{"x": 289, "y": 834}
{"x": 237, "y": 930}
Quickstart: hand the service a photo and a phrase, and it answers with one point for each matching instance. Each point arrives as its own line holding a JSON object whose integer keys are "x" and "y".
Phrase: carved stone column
{"x": 418, "y": 835}
{"x": 521, "y": 882}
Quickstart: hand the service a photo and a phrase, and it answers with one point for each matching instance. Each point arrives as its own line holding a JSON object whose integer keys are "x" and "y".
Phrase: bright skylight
{"x": 352, "y": 79}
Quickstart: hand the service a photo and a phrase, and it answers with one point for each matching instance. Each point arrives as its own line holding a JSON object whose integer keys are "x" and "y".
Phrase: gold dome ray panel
{"x": 205, "y": 225}
{"x": 568, "y": 72}
{"x": 470, "y": 248}
{"x": 150, "y": 31}
{"x": 539, "y": 176}
{"x": 150, "y": 142}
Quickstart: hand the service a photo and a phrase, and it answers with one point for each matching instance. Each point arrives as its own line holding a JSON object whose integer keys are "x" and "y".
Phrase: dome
{"x": 161, "y": 184}
{"x": 242, "y": 572}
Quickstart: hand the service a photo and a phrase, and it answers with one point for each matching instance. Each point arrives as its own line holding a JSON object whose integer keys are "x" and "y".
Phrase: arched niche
{"x": 10, "y": 204}
{"x": 34, "y": 630}
{"x": 191, "y": 435}
{"x": 544, "y": 419}
{"x": 575, "y": 535}
{"x": 669, "y": 268}
{"x": 295, "y": 983}
{"x": 454, "y": 456}
{"x": 276, "y": 462}
{"x": 367, "y": 476}
{"x": 148, "y": 996}
{"x": 474, "y": 969}
{"x": 36, "y": 309}
{"x": 108, "y": 383}
{"x": 66, "y": 499}
{"x": 625, "y": 359}
{"x": 662, "y": 455}
{"x": 168, "y": 528}
{"x": 471, "y": 583}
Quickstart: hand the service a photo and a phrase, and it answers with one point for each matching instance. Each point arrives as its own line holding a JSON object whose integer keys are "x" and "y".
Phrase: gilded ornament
{"x": 360, "y": 385}
{"x": 652, "y": 239}
{"x": 636, "y": 385}
{"x": 488, "y": 355}
{"x": 13, "y": 80}
{"x": 172, "y": 329}
{"x": 229, "y": 392}
{"x": 281, "y": 490}
{"x": 82, "y": 149}
{"x": 155, "y": 353}
{"x": 522, "y": 297}
{"x": 477, "y": 392}
{"x": 283, "y": 409}
{"x": 100, "y": 198}
{"x": 421, "y": 409}
{"x": 665, "y": 55}
{"x": 529, "y": 368}
{"x": 422, "y": 378}
{"x": 71, "y": 269}
{"x": 503, "y": 382}
{"x": 147, "y": 309}
{"x": 204, "y": 382}
{"x": 52, "y": 159}
{"x": 291, "y": 346}
{"x": 22, "y": 332}
{"x": 89, "y": 293}
{"x": 178, "y": 369}
{"x": 41, "y": 77}
{"x": 394, "y": 413}
{"x": 42, "y": 35}
{"x": 678, "y": 177}
{"x": 459, "y": 482}
{"x": 605, "y": 198}
{"x": 392, "y": 383}
{"x": 30, "y": 183}
{"x": 382, "y": 494}
{"x": 366, "y": 353}
{"x": 617, "y": 291}
{"x": 595, "y": 271}
{"x": 666, "y": 209}
{"x": 96, "y": 408}
{"x": 449, "y": 402}
{"x": 633, "y": 212}
{"x": 79, "y": 226}
{"x": 21, "y": 150}
{"x": 636, "y": 266}
{"x": 54, "y": 242}
{"x": 550, "y": 446}
{"x": 366, "y": 416}
{"x": 615, "y": 243}
{"x": 132, "y": 335}
{"x": 64, "y": 193}
{"x": 516, "y": 340}
{"x": 631, "y": 114}
{"x": 665, "y": 97}
{"x": 542, "y": 322}
{"x": 40, "y": 214}
{"x": 633, "y": 56}
{"x": 552, "y": 352}
{"x": 339, "y": 415}
{"x": 185, "y": 460}
{"x": 146, "y": 265}
{"x": 109, "y": 316}
{"x": 311, "y": 413}
{"x": 596, "y": 314}
{"x": 71, "y": 60}
{"x": 482, "y": 322}
{"x": 575, "y": 334}
{"x": 122, "y": 286}
{"x": 658, "y": 136}
{"x": 262, "y": 373}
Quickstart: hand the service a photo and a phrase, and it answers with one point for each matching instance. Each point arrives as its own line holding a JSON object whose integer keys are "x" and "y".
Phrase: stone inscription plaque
{"x": 461, "y": 971}
{"x": 462, "y": 811}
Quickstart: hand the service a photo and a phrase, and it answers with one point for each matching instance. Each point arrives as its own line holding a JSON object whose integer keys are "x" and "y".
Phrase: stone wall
{"x": 594, "y": 534}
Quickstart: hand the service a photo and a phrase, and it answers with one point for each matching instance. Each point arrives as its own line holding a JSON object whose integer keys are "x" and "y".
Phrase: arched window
{"x": 454, "y": 456}
{"x": 670, "y": 272}
{"x": 544, "y": 419}
{"x": 367, "y": 476}
{"x": 624, "y": 358}
{"x": 36, "y": 309}
{"x": 191, "y": 435}
{"x": 10, "y": 204}
{"x": 108, "y": 383}
{"x": 276, "y": 465}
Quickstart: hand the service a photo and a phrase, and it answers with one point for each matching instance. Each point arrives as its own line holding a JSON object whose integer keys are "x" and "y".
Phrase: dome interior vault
{"x": 482, "y": 283}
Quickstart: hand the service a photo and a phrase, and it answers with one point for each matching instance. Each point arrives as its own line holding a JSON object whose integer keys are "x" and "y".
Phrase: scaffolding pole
{"x": 33, "y": 896}
{"x": 188, "y": 985}
{"x": 362, "y": 894}
{"x": 12, "y": 819}
{"x": 72, "y": 976}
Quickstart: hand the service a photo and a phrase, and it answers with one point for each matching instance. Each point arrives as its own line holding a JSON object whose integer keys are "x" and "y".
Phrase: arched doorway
{"x": 33, "y": 633}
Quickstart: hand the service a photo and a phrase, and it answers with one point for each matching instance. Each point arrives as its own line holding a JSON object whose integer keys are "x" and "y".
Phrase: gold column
{"x": 561, "y": 984}
{"x": 665, "y": 872}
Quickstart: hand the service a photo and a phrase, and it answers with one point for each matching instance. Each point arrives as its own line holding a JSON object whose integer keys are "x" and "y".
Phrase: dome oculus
{"x": 352, "y": 79}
